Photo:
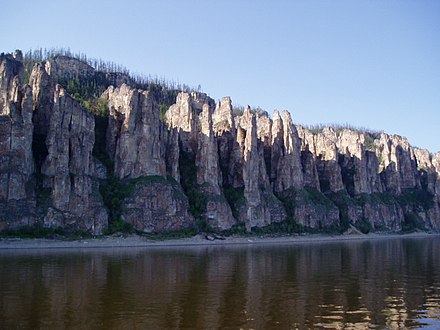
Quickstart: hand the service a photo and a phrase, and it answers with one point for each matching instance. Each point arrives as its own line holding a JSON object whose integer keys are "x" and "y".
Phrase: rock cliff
{"x": 261, "y": 206}
{"x": 172, "y": 160}
{"x": 17, "y": 169}
{"x": 192, "y": 117}
{"x": 136, "y": 142}
{"x": 64, "y": 138}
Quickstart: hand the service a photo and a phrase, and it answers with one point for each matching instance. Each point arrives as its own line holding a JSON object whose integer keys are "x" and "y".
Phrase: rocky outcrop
{"x": 66, "y": 67}
{"x": 262, "y": 207}
{"x": 65, "y": 142}
{"x": 194, "y": 166}
{"x": 68, "y": 170}
{"x": 230, "y": 155}
{"x": 172, "y": 153}
{"x": 308, "y": 161}
{"x": 43, "y": 87}
{"x": 218, "y": 212}
{"x": 359, "y": 166}
{"x": 135, "y": 139}
{"x": 326, "y": 152}
{"x": 17, "y": 182}
{"x": 139, "y": 145}
{"x": 183, "y": 116}
{"x": 398, "y": 166}
{"x": 157, "y": 205}
{"x": 382, "y": 215}
{"x": 197, "y": 128}
{"x": 436, "y": 164}
{"x": 426, "y": 168}
{"x": 286, "y": 156}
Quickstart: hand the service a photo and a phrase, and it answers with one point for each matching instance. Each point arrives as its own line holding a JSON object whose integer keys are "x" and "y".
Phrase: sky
{"x": 368, "y": 63}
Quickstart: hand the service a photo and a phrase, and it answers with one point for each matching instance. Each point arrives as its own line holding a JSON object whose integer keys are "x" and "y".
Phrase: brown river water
{"x": 382, "y": 284}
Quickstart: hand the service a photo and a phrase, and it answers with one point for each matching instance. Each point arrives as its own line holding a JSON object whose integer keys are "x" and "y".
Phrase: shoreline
{"x": 135, "y": 241}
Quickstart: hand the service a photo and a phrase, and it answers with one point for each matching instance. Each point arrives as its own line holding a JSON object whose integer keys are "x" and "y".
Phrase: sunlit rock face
{"x": 135, "y": 138}
{"x": 436, "y": 164}
{"x": 140, "y": 146}
{"x": 17, "y": 185}
{"x": 327, "y": 161}
{"x": 187, "y": 162}
{"x": 65, "y": 136}
{"x": 192, "y": 116}
{"x": 362, "y": 163}
{"x": 262, "y": 207}
{"x": 209, "y": 176}
{"x": 286, "y": 155}
{"x": 398, "y": 162}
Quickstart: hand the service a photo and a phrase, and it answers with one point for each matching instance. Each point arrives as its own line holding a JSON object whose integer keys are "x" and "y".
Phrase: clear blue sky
{"x": 373, "y": 63}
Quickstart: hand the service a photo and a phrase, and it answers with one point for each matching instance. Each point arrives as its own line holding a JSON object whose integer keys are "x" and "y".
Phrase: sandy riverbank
{"x": 199, "y": 240}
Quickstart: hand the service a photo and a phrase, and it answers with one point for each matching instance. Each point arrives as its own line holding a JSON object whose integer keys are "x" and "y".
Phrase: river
{"x": 384, "y": 283}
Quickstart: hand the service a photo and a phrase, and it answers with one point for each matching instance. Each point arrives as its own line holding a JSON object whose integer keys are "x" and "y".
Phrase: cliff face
{"x": 17, "y": 186}
{"x": 64, "y": 138}
{"x": 192, "y": 118}
{"x": 135, "y": 139}
{"x": 136, "y": 142}
{"x": 50, "y": 156}
{"x": 193, "y": 163}
{"x": 261, "y": 206}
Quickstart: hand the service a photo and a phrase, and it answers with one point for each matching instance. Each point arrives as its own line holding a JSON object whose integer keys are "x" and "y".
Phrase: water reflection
{"x": 352, "y": 285}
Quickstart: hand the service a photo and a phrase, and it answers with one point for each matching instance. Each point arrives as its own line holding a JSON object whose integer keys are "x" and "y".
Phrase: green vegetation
{"x": 114, "y": 191}
{"x": 163, "y": 109}
{"x": 316, "y": 197}
{"x": 146, "y": 82}
{"x": 369, "y": 142}
{"x": 235, "y": 198}
{"x": 376, "y": 198}
{"x": 411, "y": 201}
{"x": 363, "y": 225}
{"x": 118, "y": 226}
{"x": 412, "y": 223}
{"x": 289, "y": 200}
{"x": 85, "y": 89}
{"x": 188, "y": 174}
{"x": 88, "y": 90}
{"x": 338, "y": 128}
{"x": 342, "y": 200}
{"x": 417, "y": 199}
{"x": 238, "y": 110}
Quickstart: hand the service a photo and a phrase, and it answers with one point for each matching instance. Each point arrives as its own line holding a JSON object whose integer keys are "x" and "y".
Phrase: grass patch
{"x": 119, "y": 226}
{"x": 316, "y": 197}
{"x": 114, "y": 191}
{"x": 163, "y": 109}
{"x": 418, "y": 199}
{"x": 364, "y": 226}
{"x": 235, "y": 198}
{"x": 188, "y": 175}
{"x": 342, "y": 200}
{"x": 412, "y": 223}
{"x": 369, "y": 143}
